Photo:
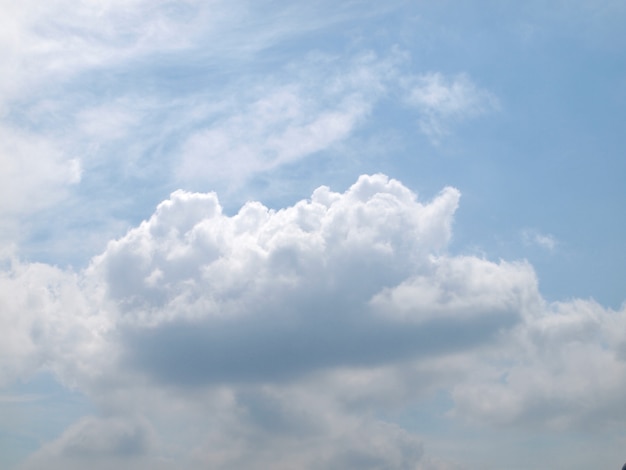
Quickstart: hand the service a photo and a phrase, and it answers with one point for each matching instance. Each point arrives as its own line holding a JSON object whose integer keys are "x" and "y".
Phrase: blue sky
{"x": 326, "y": 235}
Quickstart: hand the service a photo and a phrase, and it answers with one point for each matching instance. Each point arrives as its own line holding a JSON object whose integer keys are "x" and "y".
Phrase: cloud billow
{"x": 296, "y": 328}
{"x": 265, "y": 295}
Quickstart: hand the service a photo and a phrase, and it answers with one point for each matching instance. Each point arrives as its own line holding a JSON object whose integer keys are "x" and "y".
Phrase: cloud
{"x": 353, "y": 281}
{"x": 76, "y": 100}
{"x": 443, "y": 101}
{"x": 561, "y": 369}
{"x": 283, "y": 337}
{"x": 104, "y": 97}
{"x": 35, "y": 172}
{"x": 323, "y": 103}
{"x": 461, "y": 284}
{"x": 254, "y": 314}
{"x": 275, "y": 130}
{"x": 51, "y": 42}
{"x": 58, "y": 45}
{"x": 305, "y": 337}
{"x": 277, "y": 124}
{"x": 98, "y": 443}
{"x": 545, "y": 241}
{"x": 438, "y": 464}
{"x": 286, "y": 431}
{"x": 40, "y": 307}
{"x": 272, "y": 295}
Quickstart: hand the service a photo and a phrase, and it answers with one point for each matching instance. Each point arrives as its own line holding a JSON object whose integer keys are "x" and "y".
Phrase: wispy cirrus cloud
{"x": 443, "y": 101}
{"x": 533, "y": 237}
{"x": 281, "y": 123}
{"x": 66, "y": 103}
{"x": 86, "y": 101}
{"x": 324, "y": 103}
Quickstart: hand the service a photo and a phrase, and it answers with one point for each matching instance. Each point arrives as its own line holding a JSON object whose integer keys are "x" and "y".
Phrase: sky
{"x": 317, "y": 235}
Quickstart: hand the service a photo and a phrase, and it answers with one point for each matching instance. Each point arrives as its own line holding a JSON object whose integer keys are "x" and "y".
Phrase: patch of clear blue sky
{"x": 550, "y": 160}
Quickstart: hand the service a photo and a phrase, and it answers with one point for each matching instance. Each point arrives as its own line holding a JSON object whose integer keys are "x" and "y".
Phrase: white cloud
{"x": 280, "y": 123}
{"x": 189, "y": 241}
{"x": 461, "y": 284}
{"x": 534, "y": 237}
{"x": 280, "y": 338}
{"x": 61, "y": 38}
{"x": 32, "y": 298}
{"x": 51, "y": 320}
{"x": 275, "y": 307}
{"x": 324, "y": 102}
{"x": 271, "y": 338}
{"x": 278, "y": 129}
{"x": 443, "y": 101}
{"x": 240, "y": 291}
{"x": 109, "y": 121}
{"x": 58, "y": 122}
{"x": 84, "y": 103}
{"x": 35, "y": 172}
{"x": 276, "y": 296}
{"x": 563, "y": 368}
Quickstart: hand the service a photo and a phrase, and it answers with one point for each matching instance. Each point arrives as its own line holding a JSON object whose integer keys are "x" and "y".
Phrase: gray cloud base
{"x": 274, "y": 349}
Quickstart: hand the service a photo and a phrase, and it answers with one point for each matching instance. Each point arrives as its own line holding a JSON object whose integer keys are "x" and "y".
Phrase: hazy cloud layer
{"x": 99, "y": 443}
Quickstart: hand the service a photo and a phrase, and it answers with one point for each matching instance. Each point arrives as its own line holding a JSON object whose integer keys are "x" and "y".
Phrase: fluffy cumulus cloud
{"x": 280, "y": 338}
{"x": 206, "y": 298}
{"x": 44, "y": 316}
{"x": 565, "y": 369}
